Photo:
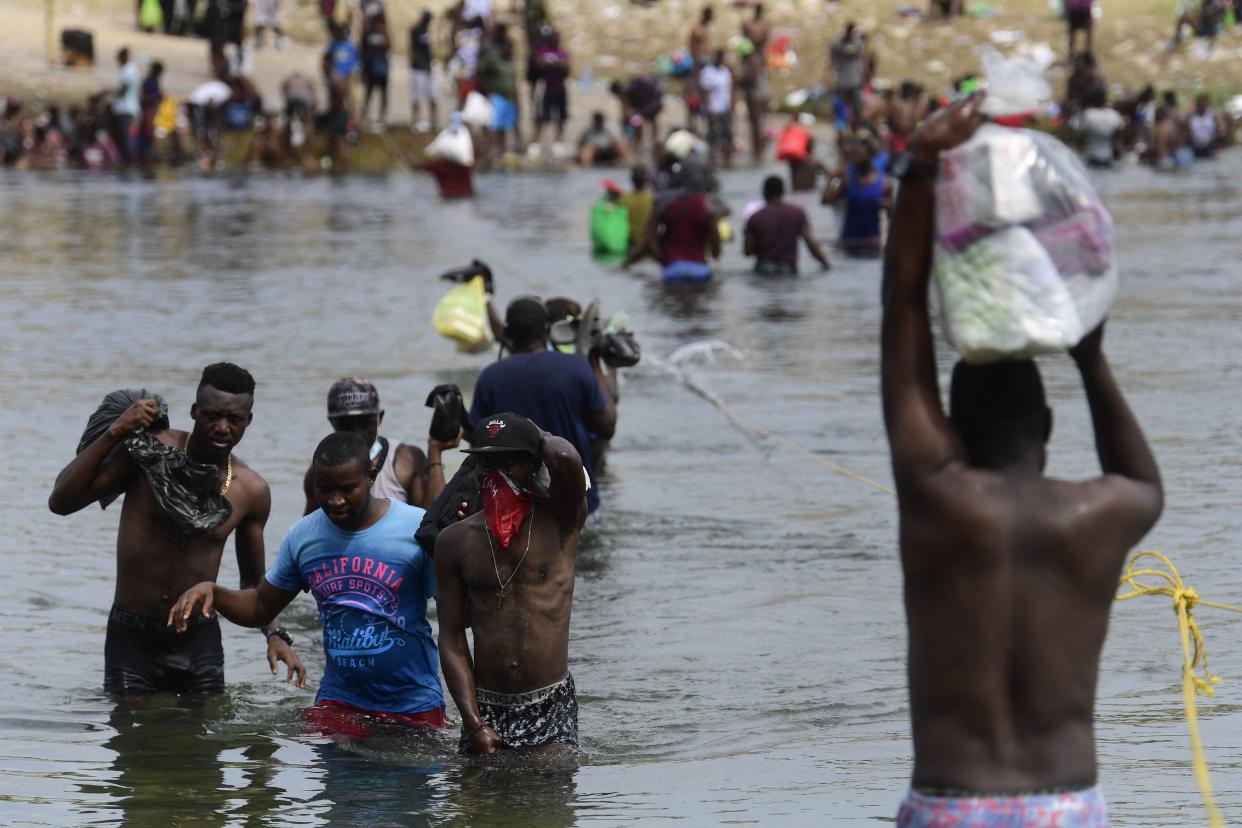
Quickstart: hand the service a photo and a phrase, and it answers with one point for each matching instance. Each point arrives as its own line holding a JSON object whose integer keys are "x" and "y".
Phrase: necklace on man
{"x": 500, "y": 596}
{"x": 228, "y": 474}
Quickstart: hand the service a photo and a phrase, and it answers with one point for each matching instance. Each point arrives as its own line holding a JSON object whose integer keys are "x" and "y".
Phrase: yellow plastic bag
{"x": 166, "y": 116}
{"x": 462, "y": 316}
{"x": 725, "y": 230}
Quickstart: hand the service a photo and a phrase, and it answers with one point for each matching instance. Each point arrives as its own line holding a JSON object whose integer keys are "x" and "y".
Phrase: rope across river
{"x": 1143, "y": 567}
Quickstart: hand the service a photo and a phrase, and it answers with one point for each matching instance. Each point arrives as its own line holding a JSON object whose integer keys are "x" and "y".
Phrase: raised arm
{"x": 251, "y": 562}
{"x": 103, "y": 469}
{"x": 1131, "y": 479}
{"x": 920, "y": 436}
{"x": 568, "y": 490}
{"x": 602, "y": 420}
{"x": 455, "y": 660}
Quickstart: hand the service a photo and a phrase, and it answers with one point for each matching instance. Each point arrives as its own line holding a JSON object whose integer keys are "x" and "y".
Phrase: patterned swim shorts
{"x": 1073, "y": 809}
{"x": 548, "y": 716}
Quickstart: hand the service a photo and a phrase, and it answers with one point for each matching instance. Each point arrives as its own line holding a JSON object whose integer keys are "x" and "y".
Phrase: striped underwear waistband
{"x": 519, "y": 699}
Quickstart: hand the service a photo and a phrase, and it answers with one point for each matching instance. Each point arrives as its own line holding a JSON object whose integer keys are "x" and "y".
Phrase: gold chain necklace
{"x": 500, "y": 597}
{"x": 228, "y": 474}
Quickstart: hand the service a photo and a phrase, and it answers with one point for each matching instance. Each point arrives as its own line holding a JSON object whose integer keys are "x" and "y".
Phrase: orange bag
{"x": 794, "y": 144}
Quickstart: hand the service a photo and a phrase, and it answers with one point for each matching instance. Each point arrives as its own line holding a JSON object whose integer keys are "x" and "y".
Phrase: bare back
{"x": 1009, "y": 582}
{"x": 1009, "y": 575}
{"x": 521, "y": 642}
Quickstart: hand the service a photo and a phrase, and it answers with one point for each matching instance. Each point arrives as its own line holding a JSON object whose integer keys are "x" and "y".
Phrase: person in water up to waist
{"x": 773, "y": 233}
{"x": 155, "y": 467}
{"x": 402, "y": 472}
{"x": 1009, "y": 574}
{"x": 566, "y": 394}
{"x": 866, "y": 191}
{"x": 356, "y": 554}
{"x": 507, "y": 572}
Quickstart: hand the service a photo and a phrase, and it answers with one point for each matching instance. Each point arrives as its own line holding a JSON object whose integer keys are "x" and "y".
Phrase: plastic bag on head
{"x": 1024, "y": 261}
{"x": 1015, "y": 85}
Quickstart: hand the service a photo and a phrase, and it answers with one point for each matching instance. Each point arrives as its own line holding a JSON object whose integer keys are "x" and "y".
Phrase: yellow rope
{"x": 1196, "y": 677}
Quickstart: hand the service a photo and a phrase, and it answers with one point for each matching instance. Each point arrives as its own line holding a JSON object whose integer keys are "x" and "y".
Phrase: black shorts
{"x": 554, "y": 101}
{"x": 143, "y": 656}
{"x": 1079, "y": 20}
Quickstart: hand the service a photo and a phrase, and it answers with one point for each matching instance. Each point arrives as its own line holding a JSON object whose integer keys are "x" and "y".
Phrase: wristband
{"x": 917, "y": 168}
{"x": 279, "y": 632}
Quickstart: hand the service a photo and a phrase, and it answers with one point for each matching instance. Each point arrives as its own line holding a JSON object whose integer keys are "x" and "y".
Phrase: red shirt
{"x": 686, "y": 226}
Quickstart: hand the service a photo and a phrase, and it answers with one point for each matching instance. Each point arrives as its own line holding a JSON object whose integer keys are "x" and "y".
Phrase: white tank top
{"x": 386, "y": 483}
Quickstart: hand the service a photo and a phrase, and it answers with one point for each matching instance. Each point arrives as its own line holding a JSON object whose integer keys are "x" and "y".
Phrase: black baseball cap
{"x": 506, "y": 434}
{"x": 352, "y": 396}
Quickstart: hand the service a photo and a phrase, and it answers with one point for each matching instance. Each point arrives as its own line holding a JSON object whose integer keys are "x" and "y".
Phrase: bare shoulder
{"x": 456, "y": 537}
{"x": 254, "y": 493}
{"x": 1112, "y": 505}
{"x": 411, "y": 456}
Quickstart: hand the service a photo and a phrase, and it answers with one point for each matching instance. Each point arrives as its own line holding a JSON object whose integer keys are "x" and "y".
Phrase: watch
{"x": 281, "y": 633}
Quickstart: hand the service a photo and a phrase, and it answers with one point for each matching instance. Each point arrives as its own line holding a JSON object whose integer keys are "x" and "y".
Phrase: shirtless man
{"x": 142, "y": 655}
{"x": 1009, "y": 575}
{"x": 508, "y": 572}
{"x": 905, "y": 111}
{"x": 699, "y": 48}
{"x": 753, "y": 79}
{"x": 399, "y": 472}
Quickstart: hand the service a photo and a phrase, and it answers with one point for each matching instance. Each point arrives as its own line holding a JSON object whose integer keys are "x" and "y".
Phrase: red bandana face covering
{"x": 505, "y": 506}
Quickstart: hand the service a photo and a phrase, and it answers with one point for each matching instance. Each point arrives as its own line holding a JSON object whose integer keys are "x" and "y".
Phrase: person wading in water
{"x": 1009, "y": 575}
{"x": 507, "y": 572}
{"x": 156, "y": 558}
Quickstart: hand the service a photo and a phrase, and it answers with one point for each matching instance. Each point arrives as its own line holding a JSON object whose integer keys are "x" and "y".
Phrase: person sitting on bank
{"x": 401, "y": 472}
{"x": 506, "y": 568}
{"x": 356, "y": 554}
{"x": 599, "y": 147}
{"x": 773, "y": 233}
{"x": 1009, "y": 574}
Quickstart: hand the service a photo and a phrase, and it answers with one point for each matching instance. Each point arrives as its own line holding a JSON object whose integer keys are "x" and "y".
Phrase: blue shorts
{"x": 687, "y": 272}
{"x": 504, "y": 116}
{"x": 1074, "y": 809}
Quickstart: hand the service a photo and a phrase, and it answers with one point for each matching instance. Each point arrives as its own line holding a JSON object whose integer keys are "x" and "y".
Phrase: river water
{"x": 738, "y": 636}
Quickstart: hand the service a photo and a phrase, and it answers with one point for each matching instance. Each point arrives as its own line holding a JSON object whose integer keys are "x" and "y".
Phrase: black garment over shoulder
{"x": 187, "y": 493}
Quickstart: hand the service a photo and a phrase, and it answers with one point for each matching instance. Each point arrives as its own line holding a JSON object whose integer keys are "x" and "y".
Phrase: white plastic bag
{"x": 478, "y": 111}
{"x": 1024, "y": 259}
{"x": 1015, "y": 86}
{"x": 453, "y": 144}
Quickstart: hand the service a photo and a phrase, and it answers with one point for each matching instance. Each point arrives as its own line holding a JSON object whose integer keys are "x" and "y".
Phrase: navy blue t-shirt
{"x": 554, "y": 390}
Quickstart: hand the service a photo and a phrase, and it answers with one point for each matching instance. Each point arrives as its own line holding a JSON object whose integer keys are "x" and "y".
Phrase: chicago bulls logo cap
{"x": 501, "y": 433}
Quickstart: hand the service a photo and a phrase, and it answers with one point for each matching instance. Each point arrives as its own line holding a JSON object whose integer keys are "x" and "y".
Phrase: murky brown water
{"x": 738, "y": 637}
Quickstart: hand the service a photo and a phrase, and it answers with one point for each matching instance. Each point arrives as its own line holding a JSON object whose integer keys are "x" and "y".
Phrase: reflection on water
{"x": 738, "y": 633}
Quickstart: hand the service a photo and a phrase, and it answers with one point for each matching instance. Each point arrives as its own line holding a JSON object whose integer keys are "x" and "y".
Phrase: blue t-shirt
{"x": 344, "y": 58}
{"x": 554, "y": 390}
{"x": 372, "y": 589}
